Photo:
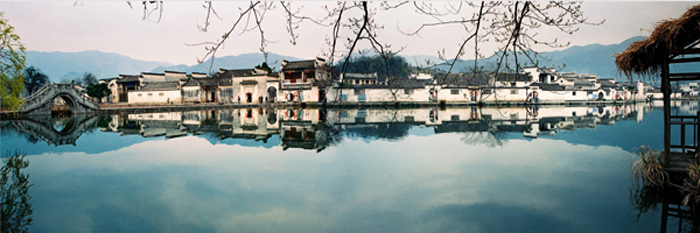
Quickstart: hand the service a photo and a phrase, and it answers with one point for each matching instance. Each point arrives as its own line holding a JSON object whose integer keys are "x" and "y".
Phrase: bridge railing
{"x": 39, "y": 97}
{"x": 39, "y": 92}
{"x": 36, "y": 96}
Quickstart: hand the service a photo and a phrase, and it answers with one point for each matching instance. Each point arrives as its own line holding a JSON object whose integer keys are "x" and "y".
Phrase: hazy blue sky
{"x": 115, "y": 27}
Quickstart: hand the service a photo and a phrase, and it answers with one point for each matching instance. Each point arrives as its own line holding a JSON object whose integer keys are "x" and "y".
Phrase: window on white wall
{"x": 150, "y": 94}
{"x": 454, "y": 92}
{"x": 139, "y": 94}
{"x": 161, "y": 94}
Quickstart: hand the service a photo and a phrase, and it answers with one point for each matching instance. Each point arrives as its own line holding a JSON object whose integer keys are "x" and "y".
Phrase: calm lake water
{"x": 510, "y": 169}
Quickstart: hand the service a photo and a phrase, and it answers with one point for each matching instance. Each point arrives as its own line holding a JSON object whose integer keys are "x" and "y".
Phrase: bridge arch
{"x": 45, "y": 128}
{"x": 62, "y": 102}
{"x": 40, "y": 102}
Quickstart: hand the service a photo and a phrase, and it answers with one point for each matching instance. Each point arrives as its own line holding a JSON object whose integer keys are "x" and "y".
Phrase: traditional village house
{"x": 208, "y": 88}
{"x": 420, "y": 75}
{"x": 541, "y": 75}
{"x": 355, "y": 86}
{"x": 481, "y": 87}
{"x": 191, "y": 88}
{"x": 158, "y": 88}
{"x": 255, "y": 86}
{"x": 634, "y": 90}
{"x": 690, "y": 89}
{"x": 358, "y": 79}
{"x": 548, "y": 93}
{"x": 203, "y": 89}
{"x": 459, "y": 87}
{"x": 510, "y": 87}
{"x": 406, "y": 90}
{"x": 223, "y": 90}
{"x": 122, "y": 85}
{"x": 174, "y": 76}
{"x": 581, "y": 87}
{"x": 304, "y": 81}
{"x": 191, "y": 91}
{"x": 360, "y": 88}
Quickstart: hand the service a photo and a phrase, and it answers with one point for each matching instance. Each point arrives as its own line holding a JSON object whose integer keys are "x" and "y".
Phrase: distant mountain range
{"x": 243, "y": 61}
{"x": 589, "y": 59}
{"x": 103, "y": 65}
{"x": 593, "y": 58}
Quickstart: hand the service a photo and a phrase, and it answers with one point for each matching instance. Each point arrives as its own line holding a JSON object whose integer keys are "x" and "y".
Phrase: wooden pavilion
{"x": 672, "y": 52}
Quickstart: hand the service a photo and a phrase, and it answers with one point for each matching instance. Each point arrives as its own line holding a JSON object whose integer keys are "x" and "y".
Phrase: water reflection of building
{"x": 313, "y": 129}
{"x": 304, "y": 128}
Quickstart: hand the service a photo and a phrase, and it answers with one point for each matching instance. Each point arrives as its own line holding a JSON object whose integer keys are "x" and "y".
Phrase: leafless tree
{"x": 511, "y": 25}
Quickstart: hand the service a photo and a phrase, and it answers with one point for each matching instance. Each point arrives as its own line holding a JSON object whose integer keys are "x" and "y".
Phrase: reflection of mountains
{"x": 319, "y": 128}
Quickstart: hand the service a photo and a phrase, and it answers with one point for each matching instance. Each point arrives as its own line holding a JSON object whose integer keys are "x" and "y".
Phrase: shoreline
{"x": 131, "y": 108}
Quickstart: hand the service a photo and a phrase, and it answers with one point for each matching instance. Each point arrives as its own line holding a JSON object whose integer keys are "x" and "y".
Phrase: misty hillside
{"x": 593, "y": 58}
{"x": 243, "y": 61}
{"x": 103, "y": 65}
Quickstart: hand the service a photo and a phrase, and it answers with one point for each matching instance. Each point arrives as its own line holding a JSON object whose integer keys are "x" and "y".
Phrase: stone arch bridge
{"x": 40, "y": 102}
{"x": 43, "y": 127}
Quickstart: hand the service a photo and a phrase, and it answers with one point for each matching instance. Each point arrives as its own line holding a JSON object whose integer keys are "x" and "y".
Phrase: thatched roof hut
{"x": 646, "y": 57}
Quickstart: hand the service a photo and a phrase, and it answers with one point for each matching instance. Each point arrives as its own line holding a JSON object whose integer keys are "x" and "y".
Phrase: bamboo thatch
{"x": 645, "y": 57}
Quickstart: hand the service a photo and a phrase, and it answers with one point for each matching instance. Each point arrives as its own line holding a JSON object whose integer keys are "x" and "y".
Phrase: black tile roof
{"x": 409, "y": 83}
{"x": 160, "y": 86}
{"x": 128, "y": 78}
{"x": 359, "y": 76}
{"x": 513, "y": 77}
{"x": 461, "y": 79}
{"x": 548, "y": 86}
{"x": 299, "y": 65}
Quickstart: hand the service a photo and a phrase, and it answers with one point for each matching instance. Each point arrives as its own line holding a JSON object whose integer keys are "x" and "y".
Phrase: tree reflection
{"x": 16, "y": 210}
{"x": 484, "y": 132}
{"x": 488, "y": 138}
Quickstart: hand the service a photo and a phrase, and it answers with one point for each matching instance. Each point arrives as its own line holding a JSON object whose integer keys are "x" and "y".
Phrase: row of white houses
{"x": 309, "y": 81}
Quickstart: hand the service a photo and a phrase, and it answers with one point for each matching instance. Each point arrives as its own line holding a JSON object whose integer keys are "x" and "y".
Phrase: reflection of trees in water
{"x": 391, "y": 131}
{"x": 487, "y": 138}
{"x": 16, "y": 209}
{"x": 482, "y": 133}
{"x": 333, "y": 132}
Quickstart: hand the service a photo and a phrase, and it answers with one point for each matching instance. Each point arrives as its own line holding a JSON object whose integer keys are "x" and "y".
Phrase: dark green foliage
{"x": 98, "y": 90}
{"x": 396, "y": 65}
{"x": 34, "y": 79}
{"x": 103, "y": 121}
{"x": 16, "y": 210}
{"x": 88, "y": 79}
{"x": 265, "y": 67}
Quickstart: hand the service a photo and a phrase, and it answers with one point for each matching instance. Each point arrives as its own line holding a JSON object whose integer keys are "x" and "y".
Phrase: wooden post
{"x": 664, "y": 212}
{"x": 666, "y": 90}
